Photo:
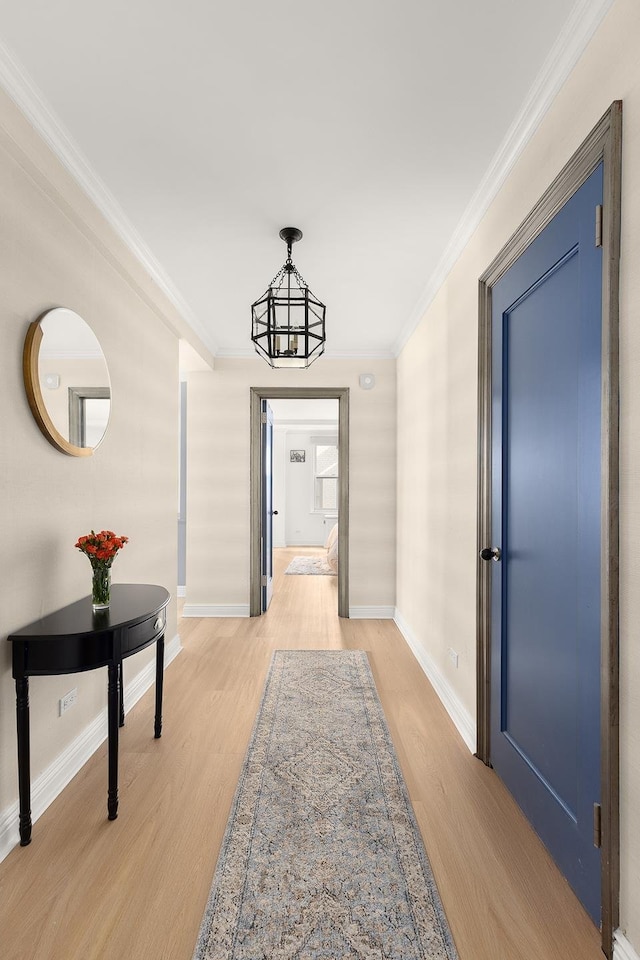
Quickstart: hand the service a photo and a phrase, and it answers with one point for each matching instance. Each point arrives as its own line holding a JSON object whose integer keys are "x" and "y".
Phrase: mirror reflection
{"x": 67, "y": 381}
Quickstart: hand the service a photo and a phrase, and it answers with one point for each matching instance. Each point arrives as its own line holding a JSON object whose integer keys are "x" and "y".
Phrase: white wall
{"x": 303, "y": 525}
{"x": 437, "y": 415}
{"x": 218, "y": 476}
{"x": 56, "y": 250}
{"x": 295, "y": 423}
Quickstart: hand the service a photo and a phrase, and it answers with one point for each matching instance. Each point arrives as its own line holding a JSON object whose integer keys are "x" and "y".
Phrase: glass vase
{"x": 101, "y": 587}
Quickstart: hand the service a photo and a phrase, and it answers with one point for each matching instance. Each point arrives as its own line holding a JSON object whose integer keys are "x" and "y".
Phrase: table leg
{"x": 159, "y": 681}
{"x": 24, "y": 759}
{"x": 121, "y": 696}
{"x": 112, "y": 714}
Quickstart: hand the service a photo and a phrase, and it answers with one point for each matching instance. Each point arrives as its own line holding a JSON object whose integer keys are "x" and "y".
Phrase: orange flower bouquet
{"x": 101, "y": 549}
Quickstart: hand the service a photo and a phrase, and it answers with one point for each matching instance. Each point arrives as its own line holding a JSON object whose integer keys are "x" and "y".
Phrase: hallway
{"x": 136, "y": 888}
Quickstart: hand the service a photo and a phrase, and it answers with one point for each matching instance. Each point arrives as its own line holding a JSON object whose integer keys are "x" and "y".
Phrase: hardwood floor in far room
{"x": 88, "y": 889}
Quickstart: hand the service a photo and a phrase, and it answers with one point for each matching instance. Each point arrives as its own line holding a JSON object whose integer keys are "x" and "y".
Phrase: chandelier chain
{"x": 279, "y": 277}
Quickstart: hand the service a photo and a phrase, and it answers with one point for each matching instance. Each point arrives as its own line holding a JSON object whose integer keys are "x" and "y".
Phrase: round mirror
{"x": 67, "y": 381}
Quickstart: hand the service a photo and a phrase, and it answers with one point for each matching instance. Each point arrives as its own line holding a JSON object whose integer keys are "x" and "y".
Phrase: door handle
{"x": 274, "y": 513}
{"x": 491, "y": 553}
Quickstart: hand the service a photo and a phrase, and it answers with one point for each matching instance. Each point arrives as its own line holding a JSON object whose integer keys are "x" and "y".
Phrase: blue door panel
{"x": 545, "y": 658}
{"x": 541, "y": 528}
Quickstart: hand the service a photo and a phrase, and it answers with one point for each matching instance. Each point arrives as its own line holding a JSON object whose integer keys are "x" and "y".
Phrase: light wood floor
{"x": 135, "y": 889}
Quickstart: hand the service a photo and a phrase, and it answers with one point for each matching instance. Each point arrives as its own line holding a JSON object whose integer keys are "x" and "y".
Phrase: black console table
{"x": 76, "y": 639}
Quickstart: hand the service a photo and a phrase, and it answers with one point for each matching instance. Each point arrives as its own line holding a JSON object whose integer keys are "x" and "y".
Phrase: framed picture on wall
{"x": 297, "y": 456}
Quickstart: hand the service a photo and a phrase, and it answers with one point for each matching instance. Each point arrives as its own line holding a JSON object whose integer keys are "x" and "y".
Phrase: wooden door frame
{"x": 266, "y": 504}
{"x": 604, "y": 144}
{"x": 341, "y": 394}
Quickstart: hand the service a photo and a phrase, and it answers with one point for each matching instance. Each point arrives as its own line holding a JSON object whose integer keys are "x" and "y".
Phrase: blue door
{"x": 267, "y": 504}
{"x": 545, "y": 604}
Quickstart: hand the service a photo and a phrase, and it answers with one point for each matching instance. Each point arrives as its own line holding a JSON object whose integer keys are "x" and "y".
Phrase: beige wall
{"x": 218, "y": 476}
{"x": 437, "y": 386}
{"x": 56, "y": 250}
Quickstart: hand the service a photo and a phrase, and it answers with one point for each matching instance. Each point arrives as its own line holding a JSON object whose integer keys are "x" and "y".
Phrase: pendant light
{"x": 287, "y": 321}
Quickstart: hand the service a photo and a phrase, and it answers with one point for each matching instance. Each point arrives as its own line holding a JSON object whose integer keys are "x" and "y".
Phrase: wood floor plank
{"x": 90, "y": 889}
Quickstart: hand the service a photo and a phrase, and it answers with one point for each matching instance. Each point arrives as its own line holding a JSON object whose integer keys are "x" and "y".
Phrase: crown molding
{"x": 584, "y": 20}
{"x": 247, "y": 353}
{"x": 29, "y": 99}
{"x": 358, "y": 354}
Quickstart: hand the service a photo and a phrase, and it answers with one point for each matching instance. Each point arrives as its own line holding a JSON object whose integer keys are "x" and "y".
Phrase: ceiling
{"x": 203, "y": 128}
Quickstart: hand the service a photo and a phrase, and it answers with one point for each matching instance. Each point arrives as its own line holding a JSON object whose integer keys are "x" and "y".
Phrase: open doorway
{"x": 299, "y": 481}
{"x": 305, "y": 480}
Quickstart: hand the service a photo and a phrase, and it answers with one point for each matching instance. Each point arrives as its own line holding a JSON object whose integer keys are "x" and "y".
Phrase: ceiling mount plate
{"x": 290, "y": 235}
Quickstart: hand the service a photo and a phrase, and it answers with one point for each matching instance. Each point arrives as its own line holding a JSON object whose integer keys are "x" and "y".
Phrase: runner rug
{"x": 322, "y": 858}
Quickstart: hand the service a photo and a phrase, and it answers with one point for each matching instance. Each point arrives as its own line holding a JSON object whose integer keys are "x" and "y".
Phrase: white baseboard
{"x": 216, "y": 610}
{"x": 461, "y": 717}
{"x": 371, "y": 613}
{"x": 622, "y": 949}
{"x": 181, "y": 592}
{"x": 58, "y": 774}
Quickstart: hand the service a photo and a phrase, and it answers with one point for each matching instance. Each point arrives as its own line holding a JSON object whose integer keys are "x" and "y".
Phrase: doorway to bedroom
{"x": 299, "y": 495}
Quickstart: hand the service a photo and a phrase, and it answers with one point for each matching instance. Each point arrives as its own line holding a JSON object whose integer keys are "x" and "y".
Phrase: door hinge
{"x": 599, "y": 225}
{"x": 264, "y": 579}
{"x": 597, "y": 825}
{"x": 263, "y": 418}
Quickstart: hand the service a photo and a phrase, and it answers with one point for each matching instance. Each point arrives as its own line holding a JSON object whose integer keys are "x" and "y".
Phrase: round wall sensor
{"x": 367, "y": 381}
{"x": 52, "y": 381}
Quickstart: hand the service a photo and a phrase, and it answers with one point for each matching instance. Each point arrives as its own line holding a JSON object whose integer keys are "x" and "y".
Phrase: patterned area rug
{"x": 322, "y": 858}
{"x": 310, "y": 566}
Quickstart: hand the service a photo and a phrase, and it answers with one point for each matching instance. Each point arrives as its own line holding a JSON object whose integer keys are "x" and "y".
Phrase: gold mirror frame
{"x": 30, "y": 369}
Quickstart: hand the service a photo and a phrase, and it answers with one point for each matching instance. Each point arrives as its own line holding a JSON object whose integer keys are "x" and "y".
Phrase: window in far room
{"x": 325, "y": 474}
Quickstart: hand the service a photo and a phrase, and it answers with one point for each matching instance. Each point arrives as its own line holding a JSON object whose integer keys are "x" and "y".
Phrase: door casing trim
{"x": 341, "y": 394}
{"x": 604, "y": 144}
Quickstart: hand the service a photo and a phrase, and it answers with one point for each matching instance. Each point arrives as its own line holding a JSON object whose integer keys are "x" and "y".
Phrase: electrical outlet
{"x": 69, "y": 700}
{"x": 453, "y": 656}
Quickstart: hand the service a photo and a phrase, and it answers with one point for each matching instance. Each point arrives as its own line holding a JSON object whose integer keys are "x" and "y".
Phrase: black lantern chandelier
{"x": 288, "y": 320}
